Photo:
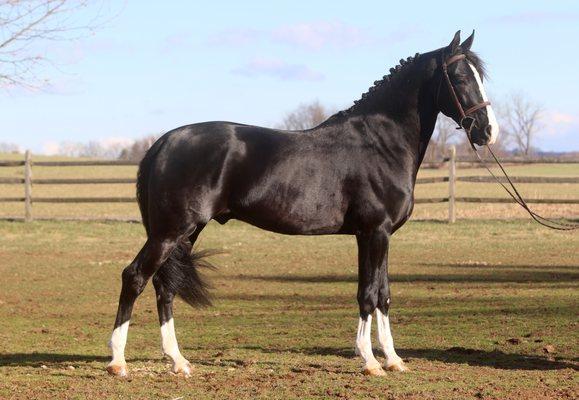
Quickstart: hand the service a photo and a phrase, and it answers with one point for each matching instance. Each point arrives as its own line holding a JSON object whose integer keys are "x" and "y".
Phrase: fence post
{"x": 27, "y": 186}
{"x": 451, "y": 185}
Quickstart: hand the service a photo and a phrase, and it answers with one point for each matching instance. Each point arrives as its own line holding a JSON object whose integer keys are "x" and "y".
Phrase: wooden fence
{"x": 452, "y": 178}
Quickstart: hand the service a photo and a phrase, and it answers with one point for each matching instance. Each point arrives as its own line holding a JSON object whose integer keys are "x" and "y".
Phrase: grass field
{"x": 481, "y": 309}
{"x": 422, "y": 211}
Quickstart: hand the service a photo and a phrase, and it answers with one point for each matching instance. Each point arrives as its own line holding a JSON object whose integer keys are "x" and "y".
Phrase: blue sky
{"x": 158, "y": 65}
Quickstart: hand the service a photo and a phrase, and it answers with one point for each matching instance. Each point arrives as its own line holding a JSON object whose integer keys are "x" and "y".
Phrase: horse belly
{"x": 293, "y": 209}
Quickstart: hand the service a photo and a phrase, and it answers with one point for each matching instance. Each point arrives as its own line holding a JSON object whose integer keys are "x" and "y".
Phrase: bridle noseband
{"x": 466, "y": 121}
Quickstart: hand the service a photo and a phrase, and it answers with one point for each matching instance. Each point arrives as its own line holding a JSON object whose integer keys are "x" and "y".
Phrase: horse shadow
{"x": 37, "y": 359}
{"x": 559, "y": 274}
{"x": 455, "y": 355}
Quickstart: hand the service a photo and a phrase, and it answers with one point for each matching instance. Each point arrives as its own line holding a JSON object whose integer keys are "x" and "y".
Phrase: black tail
{"x": 180, "y": 273}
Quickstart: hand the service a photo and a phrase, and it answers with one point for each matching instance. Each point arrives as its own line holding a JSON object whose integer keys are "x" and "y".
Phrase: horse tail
{"x": 179, "y": 274}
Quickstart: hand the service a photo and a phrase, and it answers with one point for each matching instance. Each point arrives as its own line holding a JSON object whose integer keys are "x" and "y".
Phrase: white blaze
{"x": 490, "y": 113}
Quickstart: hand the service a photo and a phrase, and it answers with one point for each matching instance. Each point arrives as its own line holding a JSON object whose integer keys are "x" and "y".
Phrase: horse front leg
{"x": 393, "y": 361}
{"x": 372, "y": 255}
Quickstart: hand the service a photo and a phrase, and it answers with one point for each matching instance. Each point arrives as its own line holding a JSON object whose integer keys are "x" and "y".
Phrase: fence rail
{"x": 452, "y": 199}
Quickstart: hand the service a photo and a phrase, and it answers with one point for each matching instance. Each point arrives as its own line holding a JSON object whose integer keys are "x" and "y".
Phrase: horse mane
{"x": 477, "y": 62}
{"x": 381, "y": 85}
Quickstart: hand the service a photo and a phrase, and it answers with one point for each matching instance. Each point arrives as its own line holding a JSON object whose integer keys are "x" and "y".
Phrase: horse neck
{"x": 408, "y": 100}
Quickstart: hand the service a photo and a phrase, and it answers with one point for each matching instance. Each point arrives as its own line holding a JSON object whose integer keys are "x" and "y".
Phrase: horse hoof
{"x": 374, "y": 371}
{"x": 183, "y": 369}
{"x": 398, "y": 367}
{"x": 117, "y": 370}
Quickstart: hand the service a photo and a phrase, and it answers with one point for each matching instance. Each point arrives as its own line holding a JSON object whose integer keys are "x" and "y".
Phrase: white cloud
{"x": 237, "y": 37}
{"x": 278, "y": 69}
{"x": 318, "y": 35}
{"x": 312, "y": 36}
{"x": 561, "y": 118}
{"x": 108, "y": 147}
{"x": 50, "y": 148}
{"x": 535, "y": 17}
{"x": 558, "y": 124}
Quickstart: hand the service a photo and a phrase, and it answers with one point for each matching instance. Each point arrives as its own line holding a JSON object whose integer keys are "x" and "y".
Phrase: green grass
{"x": 285, "y": 315}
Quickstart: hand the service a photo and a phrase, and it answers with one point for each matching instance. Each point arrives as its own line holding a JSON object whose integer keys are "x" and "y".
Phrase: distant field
{"x": 422, "y": 211}
{"x": 475, "y": 305}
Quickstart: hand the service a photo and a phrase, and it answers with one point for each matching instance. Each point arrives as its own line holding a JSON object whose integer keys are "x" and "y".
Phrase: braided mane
{"x": 402, "y": 66}
{"x": 382, "y": 83}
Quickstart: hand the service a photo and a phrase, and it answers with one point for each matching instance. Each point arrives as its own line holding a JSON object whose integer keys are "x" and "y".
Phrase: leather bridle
{"x": 466, "y": 122}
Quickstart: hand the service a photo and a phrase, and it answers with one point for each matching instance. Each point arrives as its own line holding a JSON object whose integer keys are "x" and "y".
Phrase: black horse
{"x": 353, "y": 174}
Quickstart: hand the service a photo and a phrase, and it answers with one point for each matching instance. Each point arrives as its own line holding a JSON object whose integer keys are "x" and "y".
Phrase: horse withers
{"x": 354, "y": 174}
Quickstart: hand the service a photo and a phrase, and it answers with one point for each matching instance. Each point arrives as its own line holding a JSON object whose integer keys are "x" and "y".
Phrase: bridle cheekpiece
{"x": 466, "y": 121}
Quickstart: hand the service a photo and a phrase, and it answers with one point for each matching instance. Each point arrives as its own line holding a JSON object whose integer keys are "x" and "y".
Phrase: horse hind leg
{"x": 168, "y": 281}
{"x": 134, "y": 279}
{"x": 169, "y": 344}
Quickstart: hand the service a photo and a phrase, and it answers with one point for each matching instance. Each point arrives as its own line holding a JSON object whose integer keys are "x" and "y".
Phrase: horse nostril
{"x": 489, "y": 131}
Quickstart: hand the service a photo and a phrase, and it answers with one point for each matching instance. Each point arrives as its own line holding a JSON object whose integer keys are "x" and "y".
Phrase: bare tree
{"x": 26, "y": 24}
{"x": 305, "y": 116}
{"x": 6, "y": 147}
{"x": 520, "y": 120}
{"x": 92, "y": 149}
{"x": 137, "y": 150}
{"x": 445, "y": 133}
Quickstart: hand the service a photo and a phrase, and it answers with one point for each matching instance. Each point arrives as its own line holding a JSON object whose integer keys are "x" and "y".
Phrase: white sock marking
{"x": 118, "y": 342}
{"x": 169, "y": 340}
{"x": 171, "y": 348}
{"x": 490, "y": 113}
{"x": 385, "y": 339}
{"x": 364, "y": 343}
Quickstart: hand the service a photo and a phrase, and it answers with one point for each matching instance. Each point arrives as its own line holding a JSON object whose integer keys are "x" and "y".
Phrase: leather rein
{"x": 467, "y": 123}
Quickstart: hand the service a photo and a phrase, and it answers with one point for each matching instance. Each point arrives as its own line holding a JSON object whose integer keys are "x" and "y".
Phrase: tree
{"x": 25, "y": 25}
{"x": 445, "y": 133}
{"x": 6, "y": 147}
{"x": 305, "y": 116}
{"x": 137, "y": 150}
{"x": 520, "y": 120}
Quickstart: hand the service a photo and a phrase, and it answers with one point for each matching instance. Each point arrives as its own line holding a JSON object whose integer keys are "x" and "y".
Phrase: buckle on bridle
{"x": 467, "y": 123}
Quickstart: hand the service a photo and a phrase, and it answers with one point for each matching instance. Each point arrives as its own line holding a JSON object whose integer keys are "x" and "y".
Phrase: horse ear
{"x": 455, "y": 43}
{"x": 465, "y": 46}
